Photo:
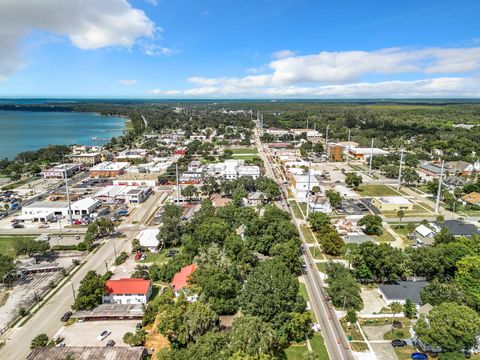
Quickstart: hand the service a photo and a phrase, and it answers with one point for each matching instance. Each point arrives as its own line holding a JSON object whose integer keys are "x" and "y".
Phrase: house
{"x": 401, "y": 291}
{"x": 392, "y": 203}
{"x": 424, "y": 235}
{"x": 255, "y": 199}
{"x": 59, "y": 171}
{"x": 180, "y": 279}
{"x": 85, "y": 158}
{"x": 365, "y": 153}
{"x": 127, "y": 291}
{"x": 456, "y": 228}
{"x": 472, "y": 198}
{"x": 108, "y": 169}
{"x": 319, "y": 203}
{"x": 461, "y": 168}
{"x": 148, "y": 239}
{"x": 431, "y": 168}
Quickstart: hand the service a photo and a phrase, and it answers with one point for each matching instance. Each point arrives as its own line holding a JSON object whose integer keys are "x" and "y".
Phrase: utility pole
{"x": 308, "y": 187}
{"x": 326, "y": 141}
{"x": 114, "y": 250}
{"x": 178, "y": 184}
{"x": 400, "y": 170}
{"x": 348, "y": 146}
{"x": 371, "y": 158}
{"x": 68, "y": 197}
{"x": 437, "y": 204}
{"x": 73, "y": 291}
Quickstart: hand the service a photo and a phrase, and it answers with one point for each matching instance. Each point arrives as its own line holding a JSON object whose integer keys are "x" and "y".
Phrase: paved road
{"x": 47, "y": 319}
{"x": 332, "y": 332}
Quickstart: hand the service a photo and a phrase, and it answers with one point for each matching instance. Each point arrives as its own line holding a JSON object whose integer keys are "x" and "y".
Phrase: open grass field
{"x": 297, "y": 351}
{"x": 377, "y": 190}
{"x": 296, "y": 209}
{"x": 240, "y": 151}
{"x": 7, "y": 243}
{"x": 245, "y": 157}
{"x": 385, "y": 237}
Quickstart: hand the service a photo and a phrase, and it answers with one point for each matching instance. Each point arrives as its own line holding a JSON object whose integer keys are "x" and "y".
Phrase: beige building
{"x": 392, "y": 203}
{"x": 86, "y": 158}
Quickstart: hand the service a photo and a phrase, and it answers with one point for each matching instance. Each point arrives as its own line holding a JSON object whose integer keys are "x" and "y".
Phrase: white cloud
{"x": 156, "y": 50}
{"x": 341, "y": 74}
{"x": 153, "y": 2}
{"x": 88, "y": 24}
{"x": 282, "y": 54}
{"x": 128, "y": 82}
{"x": 165, "y": 92}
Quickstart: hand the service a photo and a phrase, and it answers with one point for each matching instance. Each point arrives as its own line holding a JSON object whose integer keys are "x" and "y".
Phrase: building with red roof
{"x": 127, "y": 291}
{"x": 180, "y": 279}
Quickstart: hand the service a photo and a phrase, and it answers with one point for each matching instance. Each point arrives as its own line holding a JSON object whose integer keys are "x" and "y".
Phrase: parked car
{"x": 17, "y": 226}
{"x": 419, "y": 356}
{"x": 138, "y": 326}
{"x": 103, "y": 335}
{"x": 66, "y": 316}
{"x": 138, "y": 255}
{"x": 399, "y": 343}
{"x": 110, "y": 343}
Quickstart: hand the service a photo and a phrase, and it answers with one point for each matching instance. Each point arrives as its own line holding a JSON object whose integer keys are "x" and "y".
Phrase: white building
{"x": 233, "y": 169}
{"x": 127, "y": 291}
{"x": 43, "y": 211}
{"x": 123, "y": 194}
{"x": 132, "y": 154}
{"x": 148, "y": 239}
{"x": 251, "y": 171}
{"x": 300, "y": 183}
{"x": 58, "y": 171}
{"x": 319, "y": 203}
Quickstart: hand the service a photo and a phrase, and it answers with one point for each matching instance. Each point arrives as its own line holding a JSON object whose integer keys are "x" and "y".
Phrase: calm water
{"x": 26, "y": 130}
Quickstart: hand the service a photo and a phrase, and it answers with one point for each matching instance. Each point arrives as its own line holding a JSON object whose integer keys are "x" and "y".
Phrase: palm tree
{"x": 395, "y": 308}
{"x": 401, "y": 215}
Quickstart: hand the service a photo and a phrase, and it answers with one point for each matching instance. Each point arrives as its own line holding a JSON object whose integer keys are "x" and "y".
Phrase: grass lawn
{"x": 321, "y": 266}
{"x": 385, "y": 237}
{"x": 7, "y": 243}
{"x": 156, "y": 257}
{"x": 296, "y": 209}
{"x": 307, "y": 233}
{"x": 318, "y": 347}
{"x": 359, "y": 346}
{"x": 245, "y": 151}
{"x": 296, "y": 351}
{"x": 403, "y": 353}
{"x": 377, "y": 190}
{"x": 351, "y": 331}
{"x": 245, "y": 157}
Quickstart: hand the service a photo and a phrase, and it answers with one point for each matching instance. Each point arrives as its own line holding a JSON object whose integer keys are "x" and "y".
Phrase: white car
{"x": 103, "y": 335}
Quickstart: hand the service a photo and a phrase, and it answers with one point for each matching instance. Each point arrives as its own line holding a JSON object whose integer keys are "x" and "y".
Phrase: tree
{"x": 436, "y": 293}
{"x": 332, "y": 243}
{"x": 90, "y": 292}
{"x": 468, "y": 277}
{"x": 31, "y": 247}
{"x": 39, "y": 341}
{"x": 6, "y": 266}
{"x": 372, "y": 224}
{"x": 400, "y": 215}
{"x": 395, "y": 308}
{"x": 252, "y": 336}
{"x": 410, "y": 176}
{"x": 288, "y": 253}
{"x": 343, "y": 289}
{"x": 189, "y": 191}
{"x": 319, "y": 220}
{"x": 270, "y": 289}
{"x": 450, "y": 326}
{"x": 137, "y": 339}
{"x": 334, "y": 197}
{"x": 409, "y": 309}
{"x": 351, "y": 316}
{"x": 444, "y": 236}
{"x": 353, "y": 180}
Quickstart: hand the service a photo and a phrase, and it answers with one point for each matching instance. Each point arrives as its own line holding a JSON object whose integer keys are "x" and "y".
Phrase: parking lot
{"x": 85, "y": 333}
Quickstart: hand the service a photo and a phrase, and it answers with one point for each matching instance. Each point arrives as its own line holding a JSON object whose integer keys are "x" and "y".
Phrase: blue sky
{"x": 239, "y": 49}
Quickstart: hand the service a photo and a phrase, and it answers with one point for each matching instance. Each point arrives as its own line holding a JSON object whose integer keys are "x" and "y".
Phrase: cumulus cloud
{"x": 156, "y": 50}
{"x": 128, "y": 82}
{"x": 88, "y": 24}
{"x": 342, "y": 74}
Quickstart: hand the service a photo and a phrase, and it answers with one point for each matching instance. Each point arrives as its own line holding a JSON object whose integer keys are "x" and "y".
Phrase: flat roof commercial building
{"x": 87, "y": 353}
{"x": 43, "y": 211}
{"x": 108, "y": 169}
{"x": 59, "y": 171}
{"x": 392, "y": 203}
{"x": 89, "y": 159}
{"x": 365, "y": 153}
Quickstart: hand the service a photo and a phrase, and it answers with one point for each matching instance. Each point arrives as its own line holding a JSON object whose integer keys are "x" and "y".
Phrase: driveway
{"x": 383, "y": 351}
{"x": 372, "y": 302}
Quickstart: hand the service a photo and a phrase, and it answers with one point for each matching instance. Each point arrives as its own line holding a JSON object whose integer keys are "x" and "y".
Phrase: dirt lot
{"x": 372, "y": 301}
{"x": 85, "y": 333}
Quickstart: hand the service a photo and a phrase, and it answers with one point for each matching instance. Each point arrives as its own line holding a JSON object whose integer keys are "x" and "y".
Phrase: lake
{"x": 30, "y": 130}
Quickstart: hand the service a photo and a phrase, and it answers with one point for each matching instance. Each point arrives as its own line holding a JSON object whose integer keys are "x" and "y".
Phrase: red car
{"x": 138, "y": 255}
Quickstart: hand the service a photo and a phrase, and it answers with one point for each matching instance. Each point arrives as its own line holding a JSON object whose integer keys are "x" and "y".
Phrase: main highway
{"x": 47, "y": 318}
{"x": 332, "y": 332}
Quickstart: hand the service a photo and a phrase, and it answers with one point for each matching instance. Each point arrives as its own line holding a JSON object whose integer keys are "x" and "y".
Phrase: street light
{"x": 73, "y": 290}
